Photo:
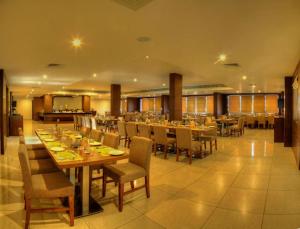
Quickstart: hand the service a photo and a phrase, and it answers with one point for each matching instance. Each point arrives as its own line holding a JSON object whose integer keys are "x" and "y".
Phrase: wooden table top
{"x": 91, "y": 158}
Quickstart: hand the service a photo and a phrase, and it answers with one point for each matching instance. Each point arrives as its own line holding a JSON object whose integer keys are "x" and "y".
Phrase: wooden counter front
{"x": 62, "y": 116}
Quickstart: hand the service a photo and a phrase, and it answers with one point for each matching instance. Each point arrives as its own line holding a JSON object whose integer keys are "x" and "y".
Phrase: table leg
{"x": 85, "y": 189}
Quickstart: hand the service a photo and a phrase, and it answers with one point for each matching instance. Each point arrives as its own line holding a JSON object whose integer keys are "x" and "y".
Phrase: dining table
{"x": 225, "y": 123}
{"x": 67, "y": 151}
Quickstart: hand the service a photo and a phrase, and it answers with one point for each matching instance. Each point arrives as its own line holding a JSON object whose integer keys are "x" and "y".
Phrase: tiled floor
{"x": 250, "y": 182}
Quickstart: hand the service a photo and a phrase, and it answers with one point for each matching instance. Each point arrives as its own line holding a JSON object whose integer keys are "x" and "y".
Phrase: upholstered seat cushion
{"x": 42, "y": 166}
{"x": 124, "y": 172}
{"x": 38, "y": 154}
{"x": 51, "y": 185}
{"x": 196, "y": 145}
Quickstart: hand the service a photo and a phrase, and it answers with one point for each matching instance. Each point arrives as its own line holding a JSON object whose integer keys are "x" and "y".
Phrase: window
{"x": 259, "y": 104}
{"x": 234, "y": 105}
{"x": 246, "y": 103}
{"x": 271, "y": 103}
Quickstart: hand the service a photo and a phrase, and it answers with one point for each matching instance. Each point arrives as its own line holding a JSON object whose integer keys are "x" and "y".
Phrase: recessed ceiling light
{"x": 39, "y": 83}
{"x": 244, "y": 77}
{"x": 259, "y": 91}
{"x": 253, "y": 85}
{"x": 76, "y": 42}
{"x": 45, "y": 76}
{"x": 135, "y": 80}
{"x": 195, "y": 93}
{"x": 32, "y": 89}
{"x": 147, "y": 57}
{"x": 222, "y": 57}
{"x": 163, "y": 84}
{"x": 237, "y": 91}
{"x": 94, "y": 75}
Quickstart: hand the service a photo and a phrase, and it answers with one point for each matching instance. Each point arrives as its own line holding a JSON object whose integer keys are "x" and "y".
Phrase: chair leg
{"x": 190, "y": 156}
{"x": 28, "y": 208}
{"x": 155, "y": 149}
{"x": 71, "y": 210}
{"x": 177, "y": 154}
{"x": 147, "y": 186}
{"x": 216, "y": 144}
{"x": 166, "y": 151}
{"x": 121, "y": 194}
{"x": 104, "y": 184}
{"x": 132, "y": 184}
{"x": 210, "y": 146}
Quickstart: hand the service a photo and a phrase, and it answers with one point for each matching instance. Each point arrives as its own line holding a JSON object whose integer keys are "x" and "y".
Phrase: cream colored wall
{"x": 71, "y": 102}
{"x": 24, "y": 107}
{"x": 100, "y": 105}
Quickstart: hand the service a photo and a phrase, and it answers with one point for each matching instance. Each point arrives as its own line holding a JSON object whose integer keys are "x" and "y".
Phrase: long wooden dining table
{"x": 72, "y": 158}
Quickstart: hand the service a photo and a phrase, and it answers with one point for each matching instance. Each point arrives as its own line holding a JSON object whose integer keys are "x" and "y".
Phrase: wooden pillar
{"x": 133, "y": 104}
{"x": 86, "y": 103}
{"x": 288, "y": 107}
{"x": 48, "y": 103}
{"x": 115, "y": 99}
{"x": 281, "y": 99}
{"x": 220, "y": 104}
{"x": 164, "y": 104}
{"x": 175, "y": 98}
{"x": 3, "y": 112}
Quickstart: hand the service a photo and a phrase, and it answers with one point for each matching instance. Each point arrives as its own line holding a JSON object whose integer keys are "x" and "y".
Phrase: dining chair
{"x": 138, "y": 166}
{"x": 184, "y": 142}
{"x": 96, "y": 135}
{"x": 144, "y": 130}
{"x": 210, "y": 136}
{"x": 237, "y": 128}
{"x": 261, "y": 121}
{"x": 122, "y": 131}
{"x": 44, "y": 186}
{"x": 131, "y": 131}
{"x": 250, "y": 120}
{"x": 93, "y": 123}
{"x": 160, "y": 137}
{"x": 75, "y": 122}
{"x": 271, "y": 121}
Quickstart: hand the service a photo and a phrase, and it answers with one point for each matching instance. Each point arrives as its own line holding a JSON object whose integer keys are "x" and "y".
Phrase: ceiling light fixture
{"x": 237, "y": 91}
{"x": 147, "y": 57}
{"x": 94, "y": 75}
{"x": 135, "y": 80}
{"x": 39, "y": 83}
{"x": 253, "y": 85}
{"x": 244, "y": 77}
{"x": 259, "y": 91}
{"x": 221, "y": 58}
{"x": 45, "y": 76}
{"x": 163, "y": 84}
{"x": 76, "y": 42}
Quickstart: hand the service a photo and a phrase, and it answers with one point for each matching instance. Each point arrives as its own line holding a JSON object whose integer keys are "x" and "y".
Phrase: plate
{"x": 95, "y": 143}
{"x": 116, "y": 152}
{"x": 43, "y": 133}
{"x": 49, "y": 140}
{"x": 57, "y": 149}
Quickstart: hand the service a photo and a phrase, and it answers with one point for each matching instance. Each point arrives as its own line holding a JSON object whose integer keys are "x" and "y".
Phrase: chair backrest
{"x": 271, "y": 119}
{"x": 84, "y": 131}
{"x": 250, "y": 119}
{"x": 79, "y": 120}
{"x": 111, "y": 140}
{"x": 211, "y": 132}
{"x": 184, "y": 138}
{"x": 93, "y": 123}
{"x": 144, "y": 130}
{"x": 140, "y": 152}
{"x": 25, "y": 168}
{"x": 131, "y": 129}
{"x": 83, "y": 123}
{"x": 121, "y": 128}
{"x": 261, "y": 119}
{"x": 87, "y": 122}
{"x": 160, "y": 134}
{"x": 74, "y": 119}
{"x": 96, "y": 135}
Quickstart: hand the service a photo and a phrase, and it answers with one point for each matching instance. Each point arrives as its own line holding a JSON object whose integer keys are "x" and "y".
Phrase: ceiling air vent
{"x": 54, "y": 65}
{"x": 232, "y": 65}
{"x": 133, "y": 4}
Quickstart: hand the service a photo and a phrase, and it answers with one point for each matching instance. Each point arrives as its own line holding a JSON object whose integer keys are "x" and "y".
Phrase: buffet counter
{"x": 61, "y": 116}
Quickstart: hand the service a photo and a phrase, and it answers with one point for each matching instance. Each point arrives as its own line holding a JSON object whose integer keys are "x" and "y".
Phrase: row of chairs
{"x": 183, "y": 141}
{"x": 262, "y": 121}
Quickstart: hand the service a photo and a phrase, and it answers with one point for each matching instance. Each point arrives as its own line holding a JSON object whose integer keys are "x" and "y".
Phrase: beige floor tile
{"x": 283, "y": 202}
{"x": 142, "y": 222}
{"x": 244, "y": 200}
{"x": 224, "y": 178}
{"x": 251, "y": 181}
{"x": 202, "y": 192}
{"x": 281, "y": 221}
{"x": 180, "y": 213}
{"x": 227, "y": 219}
{"x": 257, "y": 168}
{"x": 111, "y": 217}
{"x": 287, "y": 182}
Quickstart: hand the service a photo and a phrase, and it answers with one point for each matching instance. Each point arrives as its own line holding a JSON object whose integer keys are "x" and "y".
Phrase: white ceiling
{"x": 263, "y": 36}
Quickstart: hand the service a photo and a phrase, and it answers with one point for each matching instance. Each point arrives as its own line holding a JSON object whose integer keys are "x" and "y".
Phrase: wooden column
{"x": 115, "y": 99}
{"x": 86, "y": 103}
{"x": 220, "y": 104}
{"x": 3, "y": 112}
{"x": 175, "y": 100}
{"x": 48, "y": 103}
{"x": 164, "y": 104}
{"x": 133, "y": 104}
{"x": 288, "y": 107}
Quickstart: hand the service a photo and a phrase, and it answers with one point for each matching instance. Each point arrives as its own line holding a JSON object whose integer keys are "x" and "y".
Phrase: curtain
{"x": 158, "y": 104}
{"x": 191, "y": 105}
{"x": 210, "y": 104}
{"x": 259, "y": 104}
{"x": 234, "y": 104}
{"x": 201, "y": 104}
{"x": 272, "y": 103}
{"x": 246, "y": 104}
{"x": 184, "y": 104}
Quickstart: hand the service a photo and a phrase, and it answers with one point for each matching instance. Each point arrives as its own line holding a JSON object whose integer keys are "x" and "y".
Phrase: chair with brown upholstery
{"x": 160, "y": 137}
{"x": 137, "y": 167}
{"x": 144, "y": 130}
{"x": 211, "y": 137}
{"x": 261, "y": 121}
{"x": 271, "y": 121}
{"x": 122, "y": 131}
{"x": 237, "y": 128}
{"x": 96, "y": 135}
{"x": 112, "y": 140}
{"x": 250, "y": 120}
{"x": 131, "y": 131}
{"x": 93, "y": 123}
{"x": 44, "y": 186}
{"x": 184, "y": 142}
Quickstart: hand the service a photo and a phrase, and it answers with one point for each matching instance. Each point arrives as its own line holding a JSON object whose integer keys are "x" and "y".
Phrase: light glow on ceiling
{"x": 77, "y": 42}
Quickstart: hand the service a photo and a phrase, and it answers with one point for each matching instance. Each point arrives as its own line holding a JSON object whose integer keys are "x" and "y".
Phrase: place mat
{"x": 54, "y": 144}
{"x": 103, "y": 150}
{"x": 66, "y": 155}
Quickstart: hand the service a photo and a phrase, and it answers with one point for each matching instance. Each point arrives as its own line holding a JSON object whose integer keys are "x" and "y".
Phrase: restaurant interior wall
{"x": 100, "y": 105}
{"x": 24, "y": 107}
